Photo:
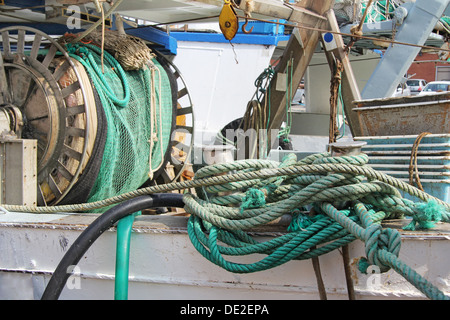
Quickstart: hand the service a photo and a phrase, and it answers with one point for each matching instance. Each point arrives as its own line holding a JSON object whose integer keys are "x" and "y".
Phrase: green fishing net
{"x": 139, "y": 109}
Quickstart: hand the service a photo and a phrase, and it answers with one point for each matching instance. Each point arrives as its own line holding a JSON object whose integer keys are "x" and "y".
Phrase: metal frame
{"x": 184, "y": 110}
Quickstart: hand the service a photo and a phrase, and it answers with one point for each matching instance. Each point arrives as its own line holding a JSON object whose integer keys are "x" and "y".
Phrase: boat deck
{"x": 165, "y": 265}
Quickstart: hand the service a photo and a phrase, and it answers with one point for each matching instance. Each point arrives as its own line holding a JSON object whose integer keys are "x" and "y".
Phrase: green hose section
{"x": 124, "y": 228}
{"x": 83, "y": 54}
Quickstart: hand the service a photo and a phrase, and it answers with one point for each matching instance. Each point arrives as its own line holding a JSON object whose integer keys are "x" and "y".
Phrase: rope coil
{"x": 364, "y": 197}
{"x": 364, "y": 203}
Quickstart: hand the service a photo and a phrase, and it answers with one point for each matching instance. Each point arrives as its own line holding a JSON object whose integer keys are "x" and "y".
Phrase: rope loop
{"x": 377, "y": 239}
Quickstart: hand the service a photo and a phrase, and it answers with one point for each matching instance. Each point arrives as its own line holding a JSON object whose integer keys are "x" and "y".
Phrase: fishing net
{"x": 351, "y": 11}
{"x": 138, "y": 106}
{"x": 131, "y": 52}
{"x": 381, "y": 10}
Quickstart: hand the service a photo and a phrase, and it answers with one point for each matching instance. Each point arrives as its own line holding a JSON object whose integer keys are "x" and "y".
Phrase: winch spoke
{"x": 31, "y": 91}
{"x": 72, "y": 153}
{"x": 21, "y": 42}
{"x": 37, "y": 118}
{"x": 61, "y": 70}
{"x": 182, "y": 93}
{"x": 70, "y": 89}
{"x": 184, "y": 111}
{"x": 36, "y": 46}
{"x": 64, "y": 172}
{"x": 6, "y": 45}
{"x": 71, "y": 111}
{"x": 54, "y": 186}
{"x": 49, "y": 57}
{"x": 4, "y": 87}
{"x": 40, "y": 196}
{"x": 75, "y": 132}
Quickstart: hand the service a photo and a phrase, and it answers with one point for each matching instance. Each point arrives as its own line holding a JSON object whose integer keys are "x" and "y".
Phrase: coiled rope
{"x": 223, "y": 213}
{"x": 244, "y": 171}
{"x": 235, "y": 197}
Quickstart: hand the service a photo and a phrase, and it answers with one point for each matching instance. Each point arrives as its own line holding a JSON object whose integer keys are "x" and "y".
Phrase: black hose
{"x": 96, "y": 228}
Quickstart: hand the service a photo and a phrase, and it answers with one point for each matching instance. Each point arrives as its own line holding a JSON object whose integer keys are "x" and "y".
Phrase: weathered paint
{"x": 164, "y": 264}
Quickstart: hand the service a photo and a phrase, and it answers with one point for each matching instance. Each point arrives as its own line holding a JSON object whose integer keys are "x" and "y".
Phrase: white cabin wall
{"x": 220, "y": 86}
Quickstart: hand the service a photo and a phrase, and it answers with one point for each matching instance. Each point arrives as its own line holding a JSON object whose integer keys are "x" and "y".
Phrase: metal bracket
{"x": 18, "y": 171}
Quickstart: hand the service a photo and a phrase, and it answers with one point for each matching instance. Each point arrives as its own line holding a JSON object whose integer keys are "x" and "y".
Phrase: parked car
{"x": 434, "y": 87}
{"x": 402, "y": 90}
{"x": 416, "y": 85}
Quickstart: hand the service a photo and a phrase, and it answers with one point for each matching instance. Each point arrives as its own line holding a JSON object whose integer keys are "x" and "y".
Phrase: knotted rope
{"x": 226, "y": 212}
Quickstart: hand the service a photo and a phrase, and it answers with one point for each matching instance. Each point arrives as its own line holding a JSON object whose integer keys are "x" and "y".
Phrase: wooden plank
{"x": 77, "y": 2}
{"x": 350, "y": 91}
{"x": 306, "y": 12}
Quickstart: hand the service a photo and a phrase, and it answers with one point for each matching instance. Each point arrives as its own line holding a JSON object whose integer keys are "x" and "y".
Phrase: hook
{"x": 245, "y": 25}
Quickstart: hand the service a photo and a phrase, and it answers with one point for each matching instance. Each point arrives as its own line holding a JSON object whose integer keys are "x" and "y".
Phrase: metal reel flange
{"x": 33, "y": 70}
{"x": 182, "y": 138}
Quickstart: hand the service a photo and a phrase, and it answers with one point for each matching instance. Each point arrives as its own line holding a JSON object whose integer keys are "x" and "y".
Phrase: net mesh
{"x": 352, "y": 10}
{"x": 138, "y": 132}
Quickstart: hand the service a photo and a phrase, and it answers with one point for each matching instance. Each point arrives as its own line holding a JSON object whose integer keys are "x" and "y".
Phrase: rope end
{"x": 426, "y": 215}
{"x": 254, "y": 198}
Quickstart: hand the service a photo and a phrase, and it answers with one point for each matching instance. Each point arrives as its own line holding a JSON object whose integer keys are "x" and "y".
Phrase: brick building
{"x": 428, "y": 66}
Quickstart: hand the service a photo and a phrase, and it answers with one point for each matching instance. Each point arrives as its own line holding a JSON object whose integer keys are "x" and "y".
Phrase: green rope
{"x": 426, "y": 215}
{"x": 284, "y": 132}
{"x": 262, "y": 82}
{"x": 302, "y": 170}
{"x": 445, "y": 20}
{"x": 254, "y": 198}
{"x": 380, "y": 11}
{"x": 222, "y": 218}
{"x": 317, "y": 181}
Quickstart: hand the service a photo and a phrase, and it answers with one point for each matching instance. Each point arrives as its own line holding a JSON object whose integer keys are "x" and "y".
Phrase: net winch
{"x": 106, "y": 117}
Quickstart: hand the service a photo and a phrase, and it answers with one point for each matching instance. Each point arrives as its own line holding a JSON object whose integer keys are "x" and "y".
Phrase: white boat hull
{"x": 165, "y": 265}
